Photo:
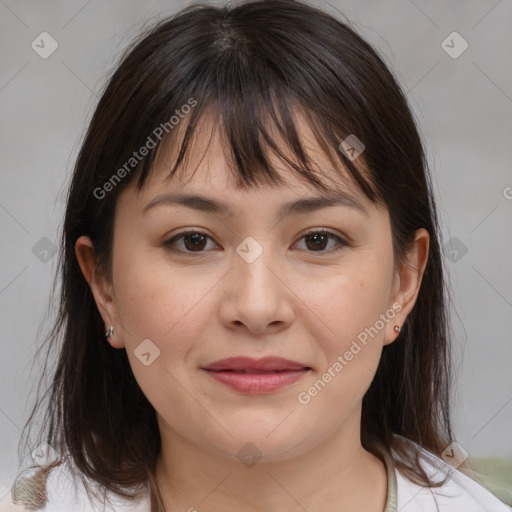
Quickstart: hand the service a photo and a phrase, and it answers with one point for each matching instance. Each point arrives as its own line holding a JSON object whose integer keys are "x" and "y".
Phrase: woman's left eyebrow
{"x": 297, "y": 207}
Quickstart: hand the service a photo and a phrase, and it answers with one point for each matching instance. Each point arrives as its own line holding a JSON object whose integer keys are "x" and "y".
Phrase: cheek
{"x": 351, "y": 301}
{"x": 156, "y": 301}
{"x": 348, "y": 326}
{"x": 349, "y": 332}
{"x": 164, "y": 307}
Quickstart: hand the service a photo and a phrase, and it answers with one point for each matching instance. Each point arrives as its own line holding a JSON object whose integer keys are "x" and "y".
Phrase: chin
{"x": 261, "y": 444}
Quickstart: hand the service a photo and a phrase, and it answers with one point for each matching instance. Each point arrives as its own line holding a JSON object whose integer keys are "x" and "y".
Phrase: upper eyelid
{"x": 303, "y": 233}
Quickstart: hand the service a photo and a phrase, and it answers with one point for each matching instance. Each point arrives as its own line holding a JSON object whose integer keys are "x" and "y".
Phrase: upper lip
{"x": 267, "y": 364}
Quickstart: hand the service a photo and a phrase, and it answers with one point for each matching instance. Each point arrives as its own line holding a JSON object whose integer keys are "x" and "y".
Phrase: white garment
{"x": 460, "y": 493}
{"x": 66, "y": 493}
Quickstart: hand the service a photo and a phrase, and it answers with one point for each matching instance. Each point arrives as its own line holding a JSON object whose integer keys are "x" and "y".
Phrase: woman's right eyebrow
{"x": 296, "y": 207}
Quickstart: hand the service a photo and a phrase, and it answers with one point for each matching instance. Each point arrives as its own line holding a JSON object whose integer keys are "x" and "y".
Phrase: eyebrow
{"x": 297, "y": 207}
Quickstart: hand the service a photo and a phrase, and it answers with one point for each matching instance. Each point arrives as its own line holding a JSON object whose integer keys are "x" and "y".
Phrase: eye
{"x": 196, "y": 241}
{"x": 317, "y": 240}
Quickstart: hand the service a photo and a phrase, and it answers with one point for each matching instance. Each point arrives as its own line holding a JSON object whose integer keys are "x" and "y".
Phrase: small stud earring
{"x": 397, "y": 328}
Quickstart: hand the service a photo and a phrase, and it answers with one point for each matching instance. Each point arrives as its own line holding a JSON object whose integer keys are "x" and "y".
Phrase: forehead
{"x": 209, "y": 165}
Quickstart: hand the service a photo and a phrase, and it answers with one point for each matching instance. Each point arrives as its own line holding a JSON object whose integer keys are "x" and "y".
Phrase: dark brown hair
{"x": 254, "y": 65}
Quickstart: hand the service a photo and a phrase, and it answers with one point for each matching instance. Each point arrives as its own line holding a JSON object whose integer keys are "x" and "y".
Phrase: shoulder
{"x": 65, "y": 492}
{"x": 459, "y": 492}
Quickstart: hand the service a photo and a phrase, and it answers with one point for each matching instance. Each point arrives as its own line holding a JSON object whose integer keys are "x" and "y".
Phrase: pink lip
{"x": 256, "y": 383}
{"x": 265, "y": 364}
{"x": 255, "y": 376}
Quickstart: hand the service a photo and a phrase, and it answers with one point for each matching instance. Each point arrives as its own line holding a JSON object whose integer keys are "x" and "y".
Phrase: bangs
{"x": 256, "y": 106}
{"x": 254, "y": 129}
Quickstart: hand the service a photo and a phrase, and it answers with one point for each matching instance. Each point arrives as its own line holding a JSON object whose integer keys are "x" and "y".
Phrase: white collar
{"x": 458, "y": 494}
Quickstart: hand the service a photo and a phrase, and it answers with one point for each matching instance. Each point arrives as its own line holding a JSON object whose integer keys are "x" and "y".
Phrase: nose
{"x": 258, "y": 297}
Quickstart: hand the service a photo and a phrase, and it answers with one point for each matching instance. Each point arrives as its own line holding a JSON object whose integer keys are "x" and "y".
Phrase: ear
{"x": 100, "y": 288}
{"x": 407, "y": 283}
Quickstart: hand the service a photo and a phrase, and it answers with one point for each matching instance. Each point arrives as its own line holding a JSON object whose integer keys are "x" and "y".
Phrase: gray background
{"x": 464, "y": 109}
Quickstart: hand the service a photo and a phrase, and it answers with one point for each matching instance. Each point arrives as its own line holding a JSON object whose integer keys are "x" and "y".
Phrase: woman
{"x": 253, "y": 312}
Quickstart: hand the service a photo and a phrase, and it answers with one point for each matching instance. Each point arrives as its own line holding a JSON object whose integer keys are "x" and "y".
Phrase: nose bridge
{"x": 258, "y": 295}
{"x": 254, "y": 260}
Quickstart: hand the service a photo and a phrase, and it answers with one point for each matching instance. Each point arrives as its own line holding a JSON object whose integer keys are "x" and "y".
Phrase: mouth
{"x": 255, "y": 371}
{"x": 251, "y": 376}
{"x": 250, "y": 365}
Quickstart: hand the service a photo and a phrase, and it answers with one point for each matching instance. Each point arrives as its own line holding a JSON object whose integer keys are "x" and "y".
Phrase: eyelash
{"x": 168, "y": 243}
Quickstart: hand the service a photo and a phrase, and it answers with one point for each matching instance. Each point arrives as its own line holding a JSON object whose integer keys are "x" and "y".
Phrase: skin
{"x": 292, "y": 301}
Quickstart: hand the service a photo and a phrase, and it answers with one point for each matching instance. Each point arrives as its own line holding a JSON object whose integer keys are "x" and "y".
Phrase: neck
{"x": 338, "y": 475}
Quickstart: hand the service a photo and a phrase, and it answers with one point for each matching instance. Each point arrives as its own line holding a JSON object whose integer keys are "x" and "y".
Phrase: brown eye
{"x": 193, "y": 242}
{"x": 317, "y": 241}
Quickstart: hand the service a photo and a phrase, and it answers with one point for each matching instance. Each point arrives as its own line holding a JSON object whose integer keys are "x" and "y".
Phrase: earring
{"x": 397, "y": 328}
{"x": 108, "y": 334}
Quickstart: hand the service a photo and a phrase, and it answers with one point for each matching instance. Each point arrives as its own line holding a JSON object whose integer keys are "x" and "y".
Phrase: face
{"x": 251, "y": 282}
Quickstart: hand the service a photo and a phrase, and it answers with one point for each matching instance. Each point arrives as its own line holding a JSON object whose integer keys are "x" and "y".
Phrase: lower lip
{"x": 257, "y": 383}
